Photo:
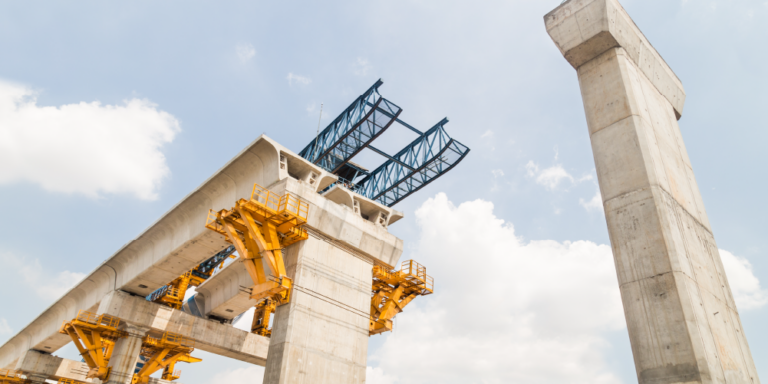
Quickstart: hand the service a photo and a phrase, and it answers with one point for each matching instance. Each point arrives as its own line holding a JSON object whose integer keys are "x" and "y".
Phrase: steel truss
{"x": 428, "y": 157}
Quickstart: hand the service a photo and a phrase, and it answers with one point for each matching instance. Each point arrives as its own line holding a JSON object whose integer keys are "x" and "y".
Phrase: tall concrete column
{"x": 682, "y": 320}
{"x": 321, "y": 336}
{"x": 125, "y": 354}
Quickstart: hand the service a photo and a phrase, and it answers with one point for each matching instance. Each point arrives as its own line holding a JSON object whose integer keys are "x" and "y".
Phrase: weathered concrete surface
{"x": 583, "y": 29}
{"x": 47, "y": 366}
{"x": 208, "y": 335}
{"x": 126, "y": 354}
{"x": 321, "y": 336}
{"x": 682, "y": 320}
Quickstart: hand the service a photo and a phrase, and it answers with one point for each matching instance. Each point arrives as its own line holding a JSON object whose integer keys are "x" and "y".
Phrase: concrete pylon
{"x": 125, "y": 354}
{"x": 681, "y": 317}
{"x": 321, "y": 335}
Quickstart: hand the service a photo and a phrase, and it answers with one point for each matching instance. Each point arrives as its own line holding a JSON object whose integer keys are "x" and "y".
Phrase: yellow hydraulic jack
{"x": 94, "y": 336}
{"x": 393, "y": 290}
{"x": 8, "y": 376}
{"x": 260, "y": 228}
{"x": 164, "y": 353}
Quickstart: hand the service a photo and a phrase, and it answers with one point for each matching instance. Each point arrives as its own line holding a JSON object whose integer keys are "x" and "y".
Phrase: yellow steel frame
{"x": 261, "y": 316}
{"x": 393, "y": 290}
{"x": 164, "y": 353}
{"x": 260, "y": 228}
{"x": 8, "y": 376}
{"x": 69, "y": 381}
{"x": 94, "y": 336}
{"x": 174, "y": 297}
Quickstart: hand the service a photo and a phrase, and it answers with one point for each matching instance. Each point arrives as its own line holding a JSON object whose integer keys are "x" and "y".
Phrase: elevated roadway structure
{"x": 321, "y": 333}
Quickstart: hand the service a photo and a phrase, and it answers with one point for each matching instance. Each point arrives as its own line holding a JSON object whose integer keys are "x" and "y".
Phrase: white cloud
{"x": 298, "y": 79}
{"x": 83, "y": 148}
{"x": 504, "y": 309}
{"x": 245, "y": 52}
{"x": 362, "y": 66}
{"x": 5, "y": 329}
{"x": 595, "y": 203}
{"x": 744, "y": 284}
{"x": 48, "y": 285}
{"x": 487, "y": 134}
{"x": 248, "y": 375}
{"x": 551, "y": 177}
{"x": 377, "y": 376}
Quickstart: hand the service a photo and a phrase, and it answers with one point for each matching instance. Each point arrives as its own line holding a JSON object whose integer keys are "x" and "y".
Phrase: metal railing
{"x": 267, "y": 198}
{"x": 292, "y": 204}
{"x": 103, "y": 320}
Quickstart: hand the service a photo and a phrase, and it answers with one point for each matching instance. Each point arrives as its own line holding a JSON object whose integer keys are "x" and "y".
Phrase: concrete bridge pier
{"x": 682, "y": 320}
{"x": 321, "y": 336}
{"x": 126, "y": 354}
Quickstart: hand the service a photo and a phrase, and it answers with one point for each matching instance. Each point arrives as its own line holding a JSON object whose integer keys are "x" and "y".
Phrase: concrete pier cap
{"x": 585, "y": 29}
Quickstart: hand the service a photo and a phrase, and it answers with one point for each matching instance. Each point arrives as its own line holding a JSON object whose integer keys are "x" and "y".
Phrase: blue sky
{"x": 112, "y": 112}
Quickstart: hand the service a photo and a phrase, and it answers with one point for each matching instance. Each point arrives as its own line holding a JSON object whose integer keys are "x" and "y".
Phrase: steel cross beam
{"x": 415, "y": 166}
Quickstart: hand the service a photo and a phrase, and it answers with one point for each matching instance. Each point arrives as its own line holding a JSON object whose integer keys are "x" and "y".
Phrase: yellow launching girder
{"x": 260, "y": 228}
{"x": 164, "y": 353}
{"x": 94, "y": 336}
{"x": 393, "y": 290}
{"x": 8, "y": 376}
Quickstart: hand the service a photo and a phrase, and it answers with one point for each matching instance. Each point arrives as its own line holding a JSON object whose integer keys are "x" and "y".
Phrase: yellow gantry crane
{"x": 95, "y": 337}
{"x": 260, "y": 228}
{"x": 393, "y": 290}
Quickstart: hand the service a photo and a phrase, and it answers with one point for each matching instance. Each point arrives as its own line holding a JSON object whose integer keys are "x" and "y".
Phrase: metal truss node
{"x": 429, "y": 156}
{"x": 260, "y": 228}
{"x": 393, "y": 290}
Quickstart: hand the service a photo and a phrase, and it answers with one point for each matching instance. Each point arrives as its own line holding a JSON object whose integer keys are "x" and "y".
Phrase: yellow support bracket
{"x": 393, "y": 290}
{"x": 163, "y": 353}
{"x": 260, "y": 228}
{"x": 94, "y": 337}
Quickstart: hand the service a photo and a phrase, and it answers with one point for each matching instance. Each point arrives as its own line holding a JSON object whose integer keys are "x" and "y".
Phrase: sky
{"x": 111, "y": 112}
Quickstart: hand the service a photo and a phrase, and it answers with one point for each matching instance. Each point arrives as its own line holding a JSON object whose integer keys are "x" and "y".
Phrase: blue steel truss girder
{"x": 353, "y": 130}
{"x": 415, "y": 166}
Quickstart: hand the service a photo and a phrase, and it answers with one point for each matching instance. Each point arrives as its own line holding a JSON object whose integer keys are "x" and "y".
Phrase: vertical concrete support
{"x": 125, "y": 355}
{"x": 681, "y": 316}
{"x": 321, "y": 336}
